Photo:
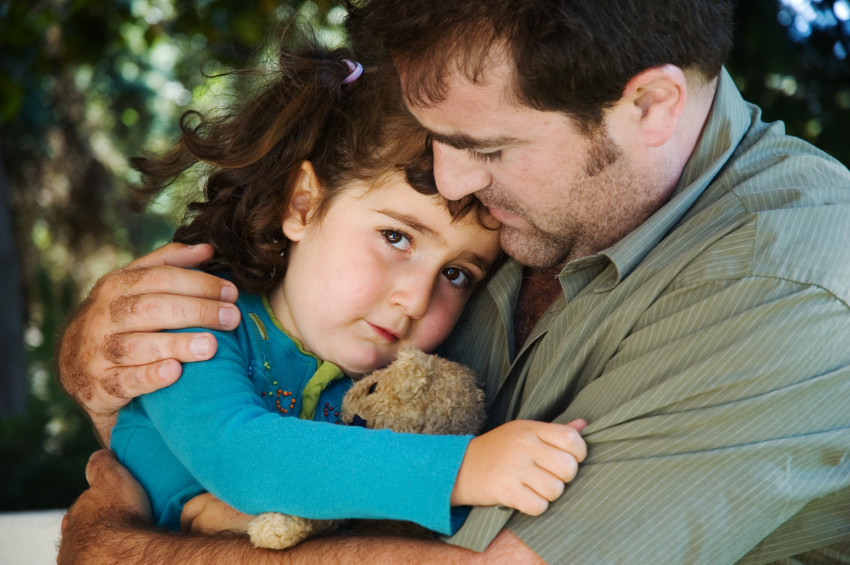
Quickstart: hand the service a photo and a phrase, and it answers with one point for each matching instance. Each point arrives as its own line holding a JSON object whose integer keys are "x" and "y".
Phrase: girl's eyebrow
{"x": 412, "y": 222}
{"x": 477, "y": 260}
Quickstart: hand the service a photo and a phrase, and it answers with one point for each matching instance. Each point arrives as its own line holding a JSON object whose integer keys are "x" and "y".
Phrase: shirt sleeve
{"x": 721, "y": 416}
{"x": 258, "y": 461}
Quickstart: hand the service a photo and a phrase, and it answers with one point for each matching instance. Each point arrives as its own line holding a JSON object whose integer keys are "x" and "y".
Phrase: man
{"x": 679, "y": 280}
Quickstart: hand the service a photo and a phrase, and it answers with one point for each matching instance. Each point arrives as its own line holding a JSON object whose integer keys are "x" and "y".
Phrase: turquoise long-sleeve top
{"x": 227, "y": 427}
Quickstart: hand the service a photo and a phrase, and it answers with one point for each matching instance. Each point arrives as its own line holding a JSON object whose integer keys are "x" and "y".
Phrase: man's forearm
{"x": 126, "y": 538}
{"x": 506, "y": 549}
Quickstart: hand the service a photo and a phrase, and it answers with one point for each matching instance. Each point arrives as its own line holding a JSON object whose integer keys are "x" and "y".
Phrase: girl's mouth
{"x": 385, "y": 334}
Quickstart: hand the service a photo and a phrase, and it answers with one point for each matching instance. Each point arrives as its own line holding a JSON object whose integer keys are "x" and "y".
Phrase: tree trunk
{"x": 13, "y": 389}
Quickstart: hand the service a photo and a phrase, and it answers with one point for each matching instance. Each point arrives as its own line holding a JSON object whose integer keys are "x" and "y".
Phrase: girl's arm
{"x": 257, "y": 461}
{"x": 108, "y": 524}
{"x": 522, "y": 464}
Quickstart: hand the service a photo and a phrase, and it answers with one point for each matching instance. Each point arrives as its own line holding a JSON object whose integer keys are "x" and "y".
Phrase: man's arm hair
{"x": 124, "y": 537}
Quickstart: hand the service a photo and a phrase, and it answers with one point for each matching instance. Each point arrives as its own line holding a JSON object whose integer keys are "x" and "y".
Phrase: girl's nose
{"x": 412, "y": 293}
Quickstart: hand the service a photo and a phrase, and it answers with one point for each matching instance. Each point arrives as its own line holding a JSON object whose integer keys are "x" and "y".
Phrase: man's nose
{"x": 456, "y": 173}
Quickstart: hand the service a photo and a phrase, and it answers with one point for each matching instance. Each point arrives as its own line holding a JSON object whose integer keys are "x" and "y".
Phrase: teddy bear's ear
{"x": 410, "y": 374}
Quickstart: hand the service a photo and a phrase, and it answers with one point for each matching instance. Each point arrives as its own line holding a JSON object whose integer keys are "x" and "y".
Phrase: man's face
{"x": 559, "y": 193}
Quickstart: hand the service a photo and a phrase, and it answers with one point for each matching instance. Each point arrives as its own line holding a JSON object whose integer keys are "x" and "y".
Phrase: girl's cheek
{"x": 437, "y": 328}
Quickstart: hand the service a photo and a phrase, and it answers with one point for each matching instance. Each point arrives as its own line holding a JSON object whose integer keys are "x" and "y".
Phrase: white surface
{"x": 30, "y": 538}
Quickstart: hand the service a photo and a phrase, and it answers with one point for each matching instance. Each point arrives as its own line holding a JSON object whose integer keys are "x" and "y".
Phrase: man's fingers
{"x": 125, "y": 383}
{"x": 166, "y": 280}
{"x": 176, "y": 255}
{"x": 134, "y": 374}
{"x": 154, "y": 312}
{"x": 130, "y": 349}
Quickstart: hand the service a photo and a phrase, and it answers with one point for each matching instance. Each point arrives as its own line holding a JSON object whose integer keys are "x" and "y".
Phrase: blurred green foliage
{"x": 85, "y": 84}
{"x": 802, "y": 84}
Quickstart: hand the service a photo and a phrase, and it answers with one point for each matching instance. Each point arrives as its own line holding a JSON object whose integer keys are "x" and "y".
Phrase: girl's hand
{"x": 206, "y": 514}
{"x": 522, "y": 464}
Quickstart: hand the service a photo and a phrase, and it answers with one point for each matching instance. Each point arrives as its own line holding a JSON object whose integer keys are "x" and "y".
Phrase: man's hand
{"x": 113, "y": 493}
{"x": 112, "y": 351}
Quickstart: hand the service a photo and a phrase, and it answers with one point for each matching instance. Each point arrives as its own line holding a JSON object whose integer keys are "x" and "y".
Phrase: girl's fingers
{"x": 562, "y": 466}
{"x": 528, "y": 501}
{"x": 545, "y": 484}
{"x": 565, "y": 438}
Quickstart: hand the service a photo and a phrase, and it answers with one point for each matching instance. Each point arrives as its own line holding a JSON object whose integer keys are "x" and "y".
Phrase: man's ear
{"x": 302, "y": 204}
{"x": 657, "y": 97}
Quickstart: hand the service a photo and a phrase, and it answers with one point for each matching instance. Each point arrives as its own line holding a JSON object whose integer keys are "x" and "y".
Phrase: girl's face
{"x": 384, "y": 267}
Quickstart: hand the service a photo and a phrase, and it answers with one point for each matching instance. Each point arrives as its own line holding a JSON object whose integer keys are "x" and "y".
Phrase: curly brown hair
{"x": 301, "y": 111}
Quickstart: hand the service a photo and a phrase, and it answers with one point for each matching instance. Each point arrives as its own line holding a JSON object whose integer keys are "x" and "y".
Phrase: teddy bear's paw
{"x": 280, "y": 531}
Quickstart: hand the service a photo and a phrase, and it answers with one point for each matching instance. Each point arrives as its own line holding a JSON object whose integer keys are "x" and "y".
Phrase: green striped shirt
{"x": 710, "y": 352}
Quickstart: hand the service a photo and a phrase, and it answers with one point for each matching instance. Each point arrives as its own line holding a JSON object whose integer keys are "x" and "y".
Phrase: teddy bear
{"x": 417, "y": 393}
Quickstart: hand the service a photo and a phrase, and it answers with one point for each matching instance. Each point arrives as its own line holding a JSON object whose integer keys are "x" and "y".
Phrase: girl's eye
{"x": 397, "y": 239}
{"x": 457, "y": 276}
{"x": 485, "y": 157}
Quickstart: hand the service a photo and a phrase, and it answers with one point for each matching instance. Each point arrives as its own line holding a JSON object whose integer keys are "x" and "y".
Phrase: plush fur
{"x": 418, "y": 393}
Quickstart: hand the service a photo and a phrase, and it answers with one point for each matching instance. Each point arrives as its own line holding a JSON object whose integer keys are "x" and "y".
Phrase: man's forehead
{"x": 478, "y": 117}
{"x": 489, "y": 73}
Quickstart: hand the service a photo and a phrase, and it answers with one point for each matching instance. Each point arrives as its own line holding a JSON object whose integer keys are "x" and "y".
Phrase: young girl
{"x": 321, "y": 208}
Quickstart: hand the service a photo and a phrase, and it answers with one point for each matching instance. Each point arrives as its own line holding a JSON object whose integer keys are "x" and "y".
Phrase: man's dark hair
{"x": 571, "y": 56}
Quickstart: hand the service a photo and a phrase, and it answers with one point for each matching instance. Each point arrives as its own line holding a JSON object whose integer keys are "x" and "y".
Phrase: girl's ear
{"x": 302, "y": 203}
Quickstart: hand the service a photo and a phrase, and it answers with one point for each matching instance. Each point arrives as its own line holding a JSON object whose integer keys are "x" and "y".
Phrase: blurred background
{"x": 86, "y": 84}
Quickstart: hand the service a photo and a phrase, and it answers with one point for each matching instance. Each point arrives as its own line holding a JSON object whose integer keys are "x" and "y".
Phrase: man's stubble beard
{"x": 560, "y": 239}
{"x": 535, "y": 248}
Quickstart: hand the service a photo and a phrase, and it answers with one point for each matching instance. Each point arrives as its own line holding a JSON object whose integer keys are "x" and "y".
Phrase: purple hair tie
{"x": 356, "y": 71}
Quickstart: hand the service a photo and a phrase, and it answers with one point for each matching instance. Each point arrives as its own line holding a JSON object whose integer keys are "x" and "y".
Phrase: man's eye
{"x": 397, "y": 239}
{"x": 485, "y": 157}
{"x": 457, "y": 276}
